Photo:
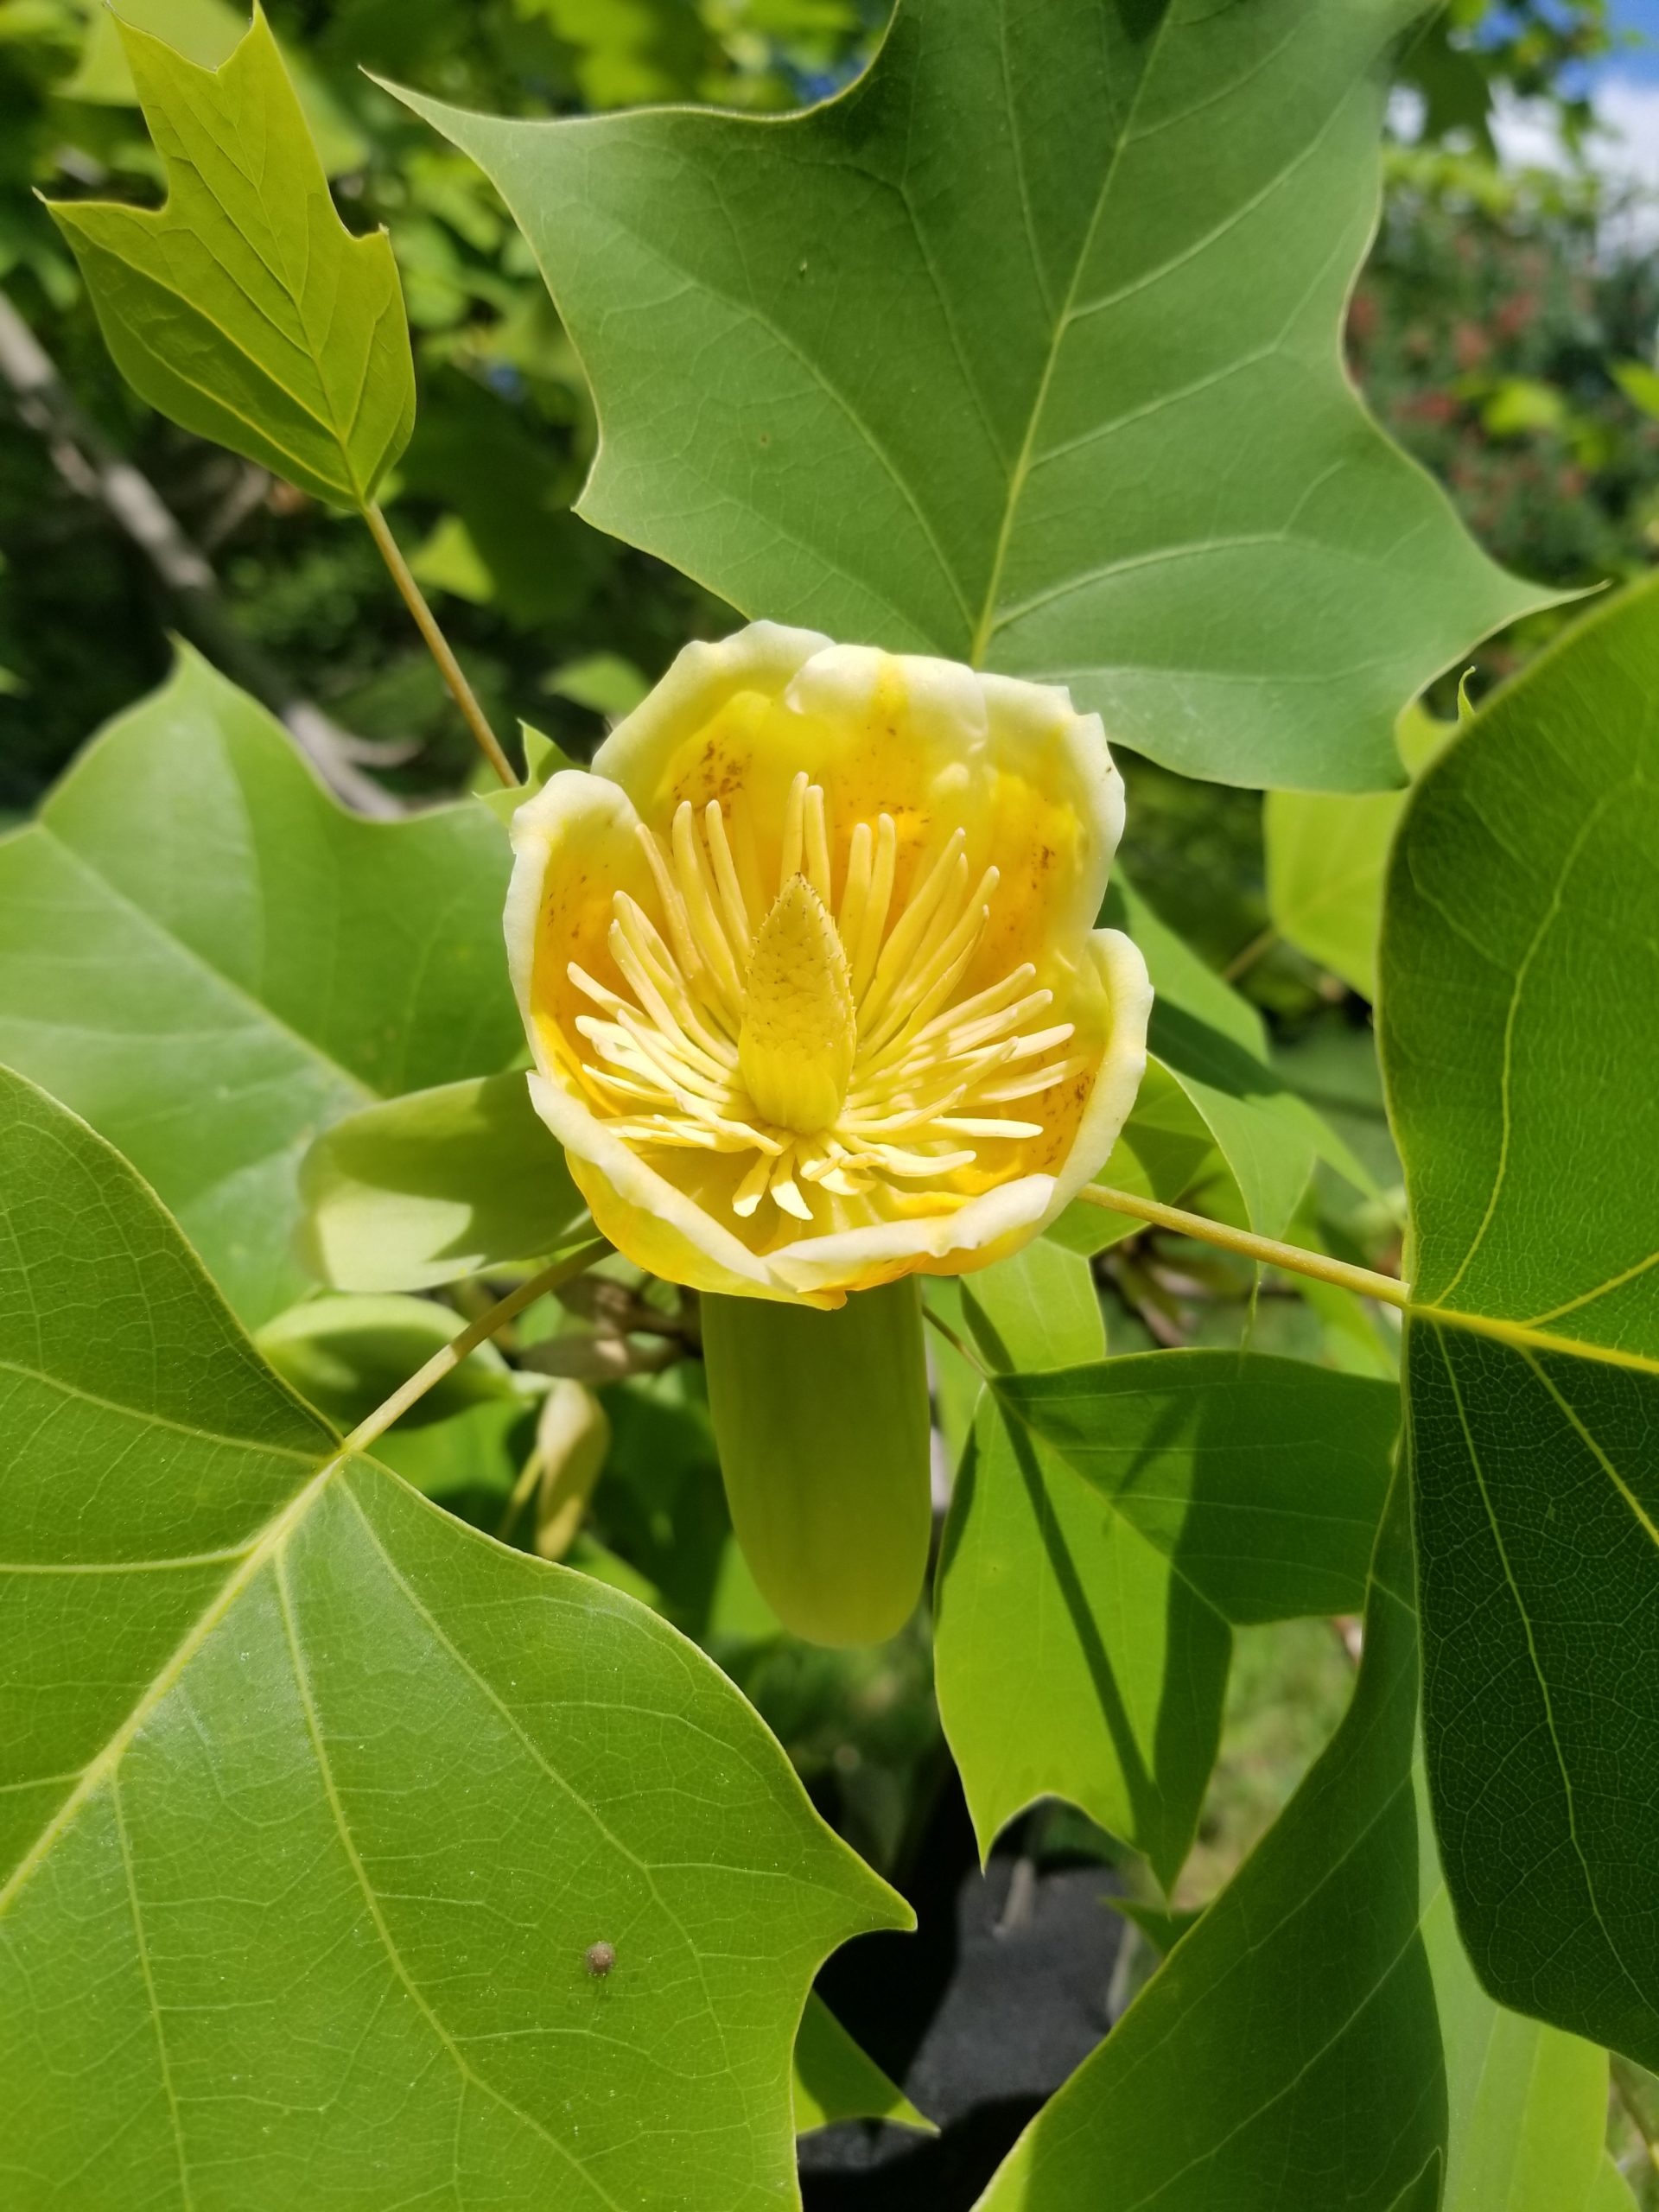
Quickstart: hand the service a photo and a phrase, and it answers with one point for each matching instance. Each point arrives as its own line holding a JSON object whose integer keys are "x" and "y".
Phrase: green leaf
{"x": 1260, "y": 1479}
{"x": 1213, "y": 1043}
{"x": 836, "y": 2080}
{"x": 243, "y": 309}
{"x": 1235, "y": 1488}
{"x": 1165, "y": 1152}
{"x": 211, "y": 960}
{"x": 1520, "y": 971}
{"x": 346, "y": 1355}
{"x": 1317, "y": 2037}
{"x": 1039, "y": 1309}
{"x": 314, "y": 1801}
{"x": 422, "y": 1189}
{"x": 207, "y": 32}
{"x": 1116, "y": 448}
{"x": 1327, "y": 852}
{"x": 1072, "y": 1659}
{"x": 1611, "y": 2193}
{"x": 1639, "y": 383}
{"x": 1162, "y": 1927}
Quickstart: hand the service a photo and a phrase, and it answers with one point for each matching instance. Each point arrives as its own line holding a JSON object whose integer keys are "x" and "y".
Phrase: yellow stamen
{"x": 824, "y": 1053}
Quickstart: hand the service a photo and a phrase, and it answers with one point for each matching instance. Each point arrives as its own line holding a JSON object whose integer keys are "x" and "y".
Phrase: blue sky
{"x": 1643, "y": 62}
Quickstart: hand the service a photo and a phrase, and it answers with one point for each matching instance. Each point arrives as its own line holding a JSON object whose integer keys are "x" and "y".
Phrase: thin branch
{"x": 90, "y": 466}
{"x": 446, "y": 1361}
{"x": 1266, "y": 1250}
{"x": 427, "y": 623}
{"x": 1243, "y": 961}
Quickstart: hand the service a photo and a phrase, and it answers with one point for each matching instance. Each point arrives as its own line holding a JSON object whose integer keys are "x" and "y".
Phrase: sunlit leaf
{"x": 836, "y": 2080}
{"x": 1110, "y": 1525}
{"x": 315, "y": 1803}
{"x": 1521, "y": 973}
{"x": 243, "y": 309}
{"x": 211, "y": 960}
{"x": 420, "y": 1190}
{"x": 1318, "y": 2038}
{"x": 1326, "y": 855}
{"x": 205, "y": 32}
{"x": 1073, "y": 1659}
{"x": 345, "y": 1355}
{"x": 1025, "y": 349}
{"x": 1038, "y": 1310}
{"x": 1260, "y": 1480}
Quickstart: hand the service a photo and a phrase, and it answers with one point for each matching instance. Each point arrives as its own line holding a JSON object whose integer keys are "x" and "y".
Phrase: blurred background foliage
{"x": 1503, "y": 332}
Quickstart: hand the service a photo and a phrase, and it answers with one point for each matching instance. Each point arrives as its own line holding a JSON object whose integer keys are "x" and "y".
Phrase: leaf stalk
{"x": 1266, "y": 1251}
{"x": 445, "y": 1361}
{"x": 427, "y": 623}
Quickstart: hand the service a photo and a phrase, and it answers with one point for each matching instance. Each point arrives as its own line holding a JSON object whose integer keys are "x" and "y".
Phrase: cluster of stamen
{"x": 839, "y": 1011}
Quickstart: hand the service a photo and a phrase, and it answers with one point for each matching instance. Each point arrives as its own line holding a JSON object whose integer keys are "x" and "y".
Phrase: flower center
{"x": 818, "y": 1027}
{"x": 795, "y": 1049}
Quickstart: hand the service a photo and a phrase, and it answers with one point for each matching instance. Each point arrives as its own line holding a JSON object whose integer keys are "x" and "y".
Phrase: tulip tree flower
{"x": 810, "y": 974}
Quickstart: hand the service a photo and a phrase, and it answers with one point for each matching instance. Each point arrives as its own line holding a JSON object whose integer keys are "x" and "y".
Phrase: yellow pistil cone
{"x": 796, "y": 1048}
{"x": 822, "y": 1421}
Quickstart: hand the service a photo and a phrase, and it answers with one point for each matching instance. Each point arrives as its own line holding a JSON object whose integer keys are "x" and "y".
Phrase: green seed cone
{"x": 821, "y": 1422}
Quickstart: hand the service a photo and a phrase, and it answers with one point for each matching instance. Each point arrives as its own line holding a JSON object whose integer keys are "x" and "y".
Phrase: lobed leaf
{"x": 836, "y": 2080}
{"x": 1025, "y": 351}
{"x": 211, "y": 960}
{"x": 314, "y": 1802}
{"x": 1317, "y": 2037}
{"x": 1217, "y": 1488}
{"x": 243, "y": 309}
{"x": 1521, "y": 970}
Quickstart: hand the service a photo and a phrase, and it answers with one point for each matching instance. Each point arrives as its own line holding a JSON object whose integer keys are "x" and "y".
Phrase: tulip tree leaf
{"x": 1328, "y": 853}
{"x": 1038, "y": 1309}
{"x": 1611, "y": 2193}
{"x": 1115, "y": 448}
{"x": 1214, "y": 1042}
{"x": 1318, "y": 2038}
{"x": 208, "y": 958}
{"x": 345, "y": 1356}
{"x": 1520, "y": 976}
{"x": 314, "y": 1801}
{"x": 1218, "y": 1488}
{"x": 207, "y": 32}
{"x": 1260, "y": 1480}
{"x": 836, "y": 2080}
{"x": 1072, "y": 1660}
{"x": 243, "y": 308}
{"x": 420, "y": 1190}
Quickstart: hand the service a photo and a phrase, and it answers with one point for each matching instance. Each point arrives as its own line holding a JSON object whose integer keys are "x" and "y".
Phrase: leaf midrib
{"x": 1539, "y": 1674}
{"x": 986, "y": 624}
{"x": 103, "y": 1764}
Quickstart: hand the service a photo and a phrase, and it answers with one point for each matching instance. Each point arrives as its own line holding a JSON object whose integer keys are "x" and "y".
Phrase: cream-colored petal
{"x": 1123, "y": 974}
{"x": 905, "y": 761}
{"x": 700, "y": 680}
{"x": 645, "y": 1216}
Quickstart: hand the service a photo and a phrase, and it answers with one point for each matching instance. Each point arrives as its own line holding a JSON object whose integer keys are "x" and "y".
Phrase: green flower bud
{"x": 822, "y": 1421}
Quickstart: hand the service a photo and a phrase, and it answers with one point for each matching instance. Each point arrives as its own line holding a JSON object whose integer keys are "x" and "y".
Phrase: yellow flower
{"x": 808, "y": 967}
